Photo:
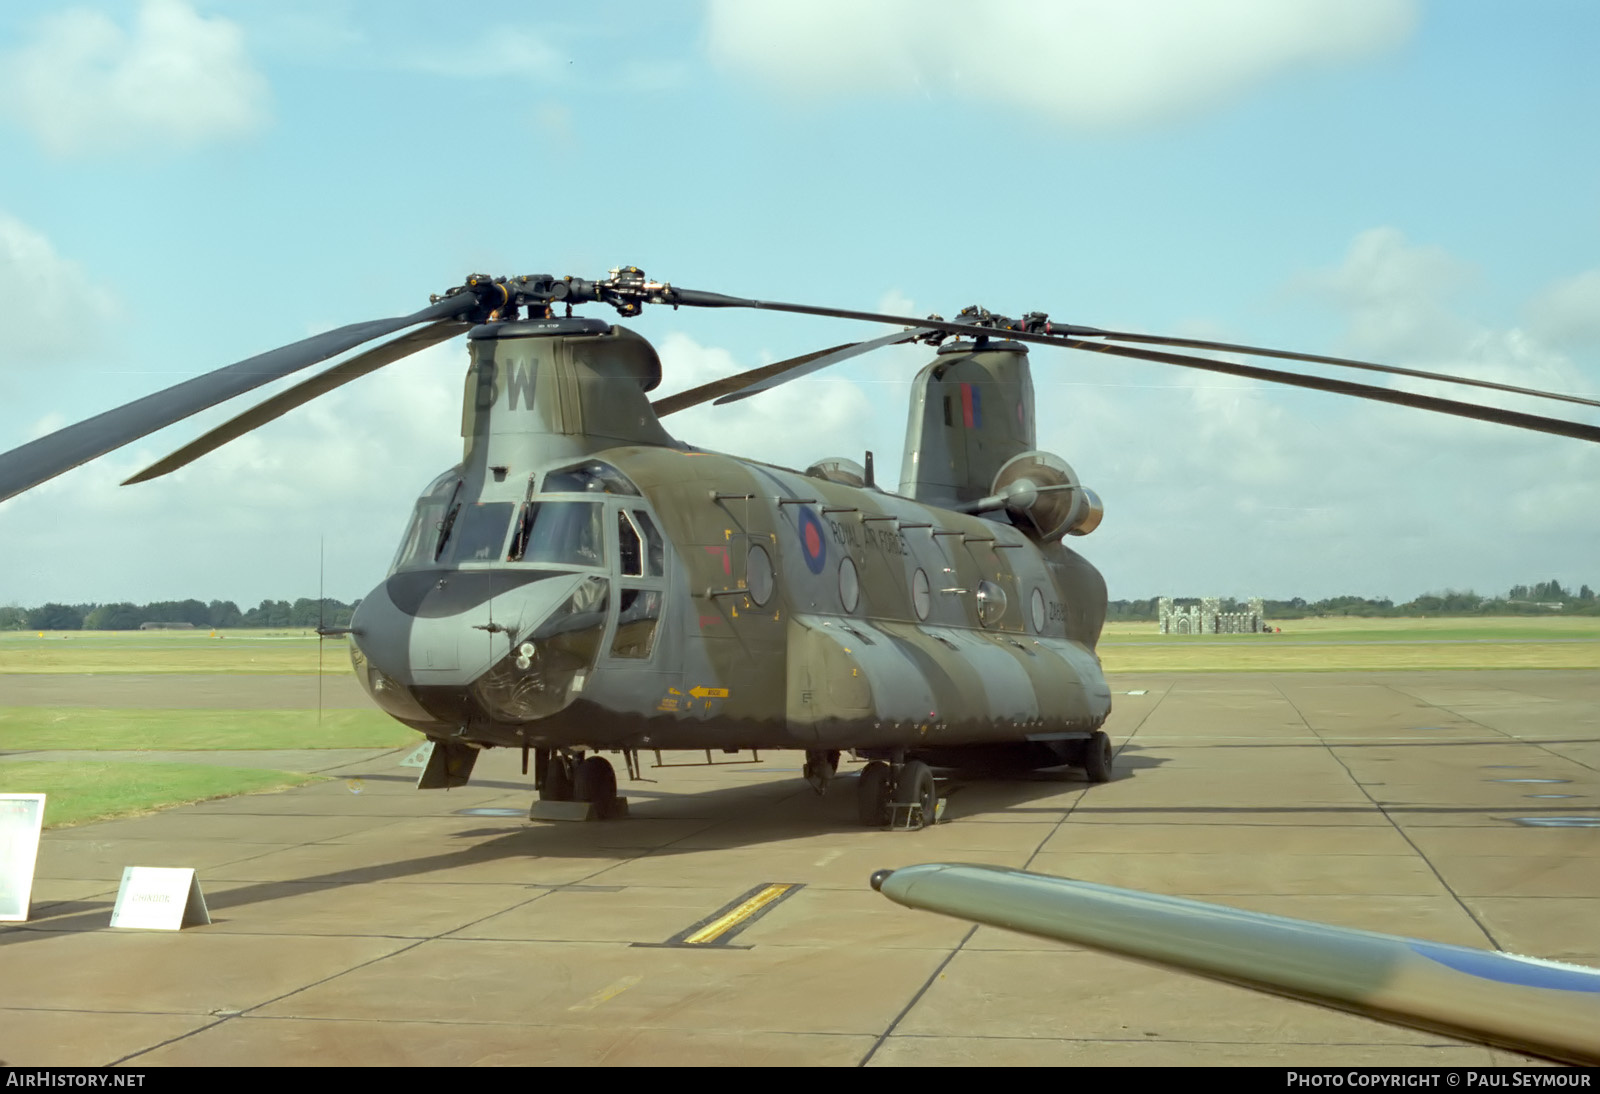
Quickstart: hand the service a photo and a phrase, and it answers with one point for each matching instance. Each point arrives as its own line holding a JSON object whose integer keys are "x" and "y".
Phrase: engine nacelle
{"x": 1040, "y": 489}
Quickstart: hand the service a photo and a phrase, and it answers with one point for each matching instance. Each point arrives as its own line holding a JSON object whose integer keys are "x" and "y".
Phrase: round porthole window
{"x": 921, "y": 596}
{"x": 1038, "y": 611}
{"x": 849, "y": 584}
{"x": 758, "y": 574}
{"x": 991, "y": 603}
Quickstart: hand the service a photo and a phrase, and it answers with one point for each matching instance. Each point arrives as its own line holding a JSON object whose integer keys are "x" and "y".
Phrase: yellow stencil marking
{"x": 724, "y": 923}
{"x": 607, "y": 993}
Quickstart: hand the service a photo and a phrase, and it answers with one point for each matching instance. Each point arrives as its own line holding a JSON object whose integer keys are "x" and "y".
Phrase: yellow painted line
{"x": 606, "y": 994}
{"x": 731, "y": 919}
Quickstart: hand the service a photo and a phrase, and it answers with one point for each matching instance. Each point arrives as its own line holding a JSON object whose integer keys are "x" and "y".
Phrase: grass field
{"x": 85, "y": 791}
{"x": 81, "y": 792}
{"x": 30, "y": 728}
{"x": 1361, "y": 645}
{"x": 273, "y": 651}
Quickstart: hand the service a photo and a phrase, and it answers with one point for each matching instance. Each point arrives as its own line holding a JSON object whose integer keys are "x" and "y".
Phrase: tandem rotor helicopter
{"x": 581, "y": 582}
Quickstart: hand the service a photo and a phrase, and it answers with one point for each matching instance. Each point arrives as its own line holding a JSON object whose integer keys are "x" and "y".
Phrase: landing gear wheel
{"x": 595, "y": 782}
{"x": 557, "y": 784}
{"x": 872, "y": 795}
{"x": 1097, "y": 758}
{"x": 915, "y": 786}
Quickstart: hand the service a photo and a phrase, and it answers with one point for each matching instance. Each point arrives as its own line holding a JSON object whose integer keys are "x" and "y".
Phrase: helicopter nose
{"x": 446, "y": 628}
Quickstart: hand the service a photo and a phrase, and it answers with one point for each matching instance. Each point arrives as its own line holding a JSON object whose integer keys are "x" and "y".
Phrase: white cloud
{"x": 85, "y": 85}
{"x": 1091, "y": 64}
{"x": 244, "y": 522}
{"x": 1396, "y": 295}
{"x": 1231, "y": 487}
{"x": 793, "y": 425}
{"x": 1569, "y": 311}
{"x": 52, "y": 310}
{"x": 500, "y": 53}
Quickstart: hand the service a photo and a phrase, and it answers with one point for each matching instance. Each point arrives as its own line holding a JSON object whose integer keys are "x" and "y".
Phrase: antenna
{"x": 321, "y": 604}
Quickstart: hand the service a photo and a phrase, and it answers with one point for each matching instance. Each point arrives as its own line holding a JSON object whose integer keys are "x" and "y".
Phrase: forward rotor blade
{"x": 1343, "y": 362}
{"x": 303, "y": 392}
{"x": 1535, "y": 422}
{"x": 47, "y": 457}
{"x": 754, "y": 381}
{"x": 802, "y": 367}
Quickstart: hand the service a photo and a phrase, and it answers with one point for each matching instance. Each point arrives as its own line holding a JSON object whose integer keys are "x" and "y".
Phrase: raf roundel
{"x": 813, "y": 544}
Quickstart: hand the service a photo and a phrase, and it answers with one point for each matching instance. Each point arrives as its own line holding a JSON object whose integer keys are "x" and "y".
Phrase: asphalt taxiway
{"x": 729, "y": 920}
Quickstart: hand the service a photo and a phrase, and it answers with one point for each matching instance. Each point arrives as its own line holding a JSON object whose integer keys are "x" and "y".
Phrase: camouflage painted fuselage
{"x": 712, "y": 602}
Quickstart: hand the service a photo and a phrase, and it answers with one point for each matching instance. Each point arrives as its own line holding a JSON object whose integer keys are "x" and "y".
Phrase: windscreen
{"x": 566, "y": 533}
{"x": 476, "y": 532}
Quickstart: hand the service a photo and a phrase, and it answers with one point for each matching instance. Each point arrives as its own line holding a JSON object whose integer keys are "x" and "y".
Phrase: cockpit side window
{"x": 654, "y": 551}
{"x": 422, "y": 538}
{"x": 630, "y": 546}
{"x": 567, "y": 533}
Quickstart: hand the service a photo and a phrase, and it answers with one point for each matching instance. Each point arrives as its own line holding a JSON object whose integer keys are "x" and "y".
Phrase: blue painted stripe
{"x": 1505, "y": 969}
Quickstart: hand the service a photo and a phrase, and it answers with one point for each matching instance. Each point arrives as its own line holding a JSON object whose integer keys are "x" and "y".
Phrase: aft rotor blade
{"x": 303, "y": 392}
{"x": 1343, "y": 362}
{"x": 1545, "y": 1008}
{"x": 756, "y": 380}
{"x": 27, "y": 466}
{"x": 1538, "y": 423}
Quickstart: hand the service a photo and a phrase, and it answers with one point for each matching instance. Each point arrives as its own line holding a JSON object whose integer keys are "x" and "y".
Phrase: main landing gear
{"x": 901, "y": 794}
{"x": 573, "y": 779}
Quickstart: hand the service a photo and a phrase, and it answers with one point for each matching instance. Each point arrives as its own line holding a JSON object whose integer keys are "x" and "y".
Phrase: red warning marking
{"x": 727, "y": 563}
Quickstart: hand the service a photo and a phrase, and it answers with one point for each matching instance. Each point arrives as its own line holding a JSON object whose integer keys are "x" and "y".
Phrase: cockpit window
{"x": 593, "y": 477}
{"x": 475, "y": 531}
{"x": 629, "y": 546}
{"x": 655, "y": 563}
{"x": 567, "y": 533}
{"x": 421, "y": 541}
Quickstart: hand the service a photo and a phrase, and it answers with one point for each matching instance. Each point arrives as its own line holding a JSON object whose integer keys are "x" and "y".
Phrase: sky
{"x": 186, "y": 183}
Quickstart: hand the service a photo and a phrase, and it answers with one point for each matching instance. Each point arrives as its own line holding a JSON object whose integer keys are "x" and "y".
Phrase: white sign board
{"x": 21, "y": 818}
{"x": 156, "y": 899}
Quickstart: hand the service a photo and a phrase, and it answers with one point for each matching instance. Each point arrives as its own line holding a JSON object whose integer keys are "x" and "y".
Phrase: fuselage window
{"x": 758, "y": 576}
{"x": 567, "y": 533}
{"x": 921, "y": 595}
{"x": 849, "y": 584}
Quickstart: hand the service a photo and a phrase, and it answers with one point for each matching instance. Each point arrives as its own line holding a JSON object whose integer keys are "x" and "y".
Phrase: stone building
{"x": 1203, "y": 615}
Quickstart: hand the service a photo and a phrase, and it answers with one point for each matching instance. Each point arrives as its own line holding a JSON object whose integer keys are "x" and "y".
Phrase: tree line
{"x": 128, "y": 616}
{"x": 1540, "y": 598}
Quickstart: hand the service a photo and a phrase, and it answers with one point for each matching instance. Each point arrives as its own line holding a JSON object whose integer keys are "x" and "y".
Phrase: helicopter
{"x": 584, "y": 583}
